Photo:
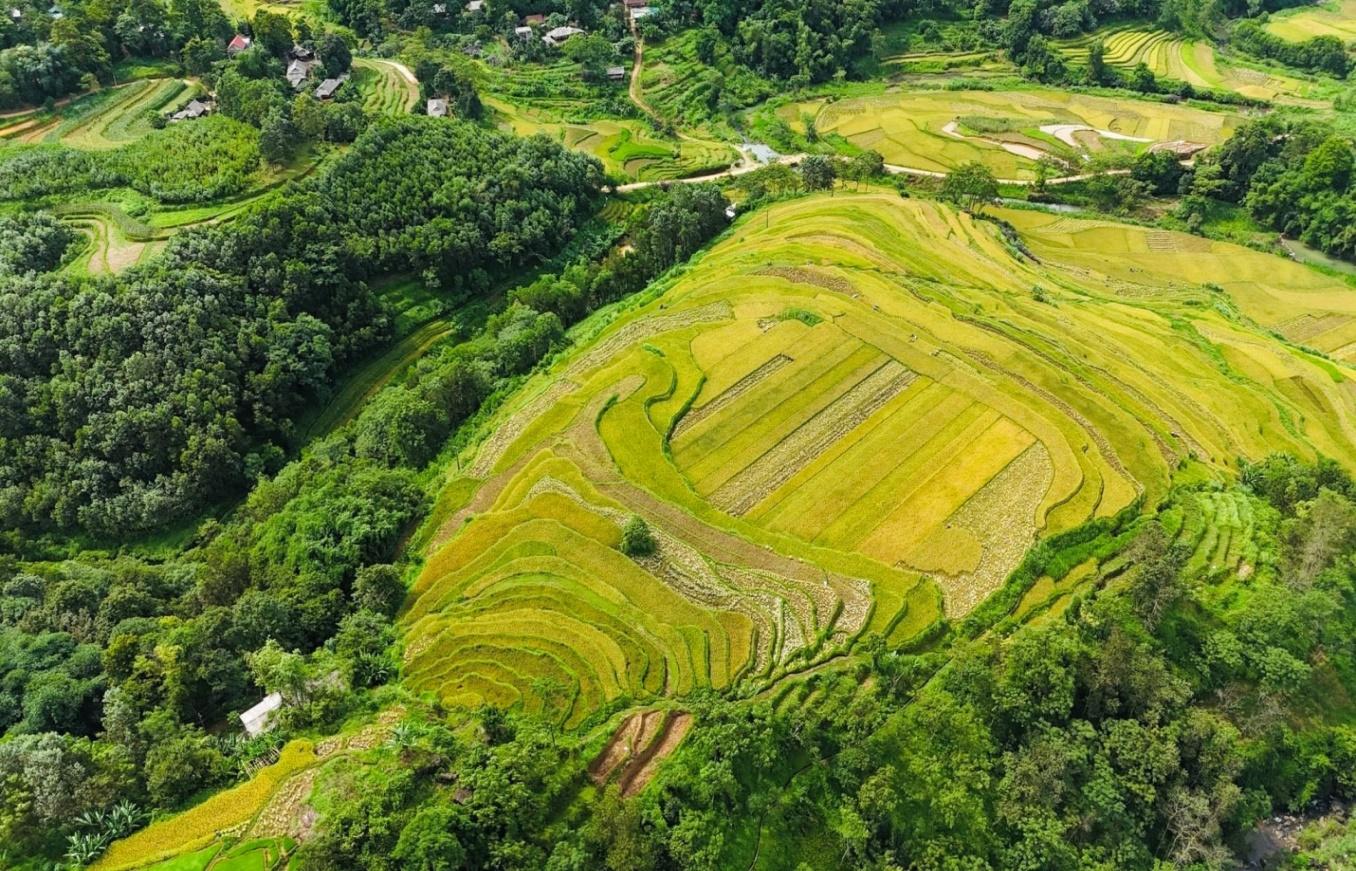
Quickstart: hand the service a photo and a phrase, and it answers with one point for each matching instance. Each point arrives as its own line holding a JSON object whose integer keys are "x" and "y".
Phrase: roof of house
{"x": 256, "y": 719}
{"x": 522, "y": 31}
{"x": 558, "y": 35}
{"x": 534, "y": 18}
{"x": 635, "y": 3}
{"x": 194, "y": 109}
{"x": 439, "y": 8}
{"x": 437, "y": 108}
{"x": 328, "y": 87}
{"x": 475, "y": 5}
{"x": 641, "y": 11}
{"x": 298, "y": 71}
{"x": 239, "y": 43}
{"x": 616, "y": 72}
{"x": 301, "y": 52}
{"x": 16, "y": 13}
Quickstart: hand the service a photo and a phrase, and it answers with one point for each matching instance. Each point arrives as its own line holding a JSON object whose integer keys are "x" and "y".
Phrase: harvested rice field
{"x": 1008, "y": 131}
{"x": 869, "y": 469}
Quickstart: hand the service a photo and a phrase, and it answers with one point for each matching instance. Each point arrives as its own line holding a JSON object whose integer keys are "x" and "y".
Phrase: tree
{"x": 594, "y": 53}
{"x": 378, "y": 588}
{"x": 429, "y": 841}
{"x": 333, "y": 54}
{"x": 398, "y": 428}
{"x": 272, "y": 32}
{"x": 278, "y": 137}
{"x": 637, "y": 540}
{"x": 818, "y": 172}
{"x": 1157, "y": 584}
{"x": 970, "y": 186}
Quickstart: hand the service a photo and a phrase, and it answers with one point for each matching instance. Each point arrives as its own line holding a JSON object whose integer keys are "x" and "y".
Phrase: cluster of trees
{"x": 32, "y": 242}
{"x": 1324, "y": 54}
{"x": 452, "y": 81}
{"x": 1293, "y": 176}
{"x": 128, "y": 402}
{"x": 800, "y": 41}
{"x": 45, "y": 56}
{"x": 206, "y": 160}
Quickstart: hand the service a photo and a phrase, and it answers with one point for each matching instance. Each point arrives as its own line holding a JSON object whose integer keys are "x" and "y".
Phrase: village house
{"x": 558, "y": 36}
{"x": 522, "y": 32}
{"x": 536, "y": 19}
{"x": 238, "y": 44}
{"x": 259, "y": 719}
{"x": 193, "y": 111}
{"x": 301, "y": 52}
{"x": 616, "y": 74}
{"x": 298, "y": 71}
{"x": 475, "y": 6}
{"x": 325, "y": 90}
{"x": 437, "y": 108}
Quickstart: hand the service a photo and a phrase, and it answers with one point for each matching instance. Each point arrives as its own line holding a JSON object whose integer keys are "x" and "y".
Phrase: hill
{"x": 848, "y": 401}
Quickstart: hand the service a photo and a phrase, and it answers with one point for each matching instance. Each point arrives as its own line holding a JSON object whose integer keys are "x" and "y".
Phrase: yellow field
{"x": 838, "y": 399}
{"x": 1333, "y": 18}
{"x": 930, "y": 130}
{"x": 1197, "y": 63}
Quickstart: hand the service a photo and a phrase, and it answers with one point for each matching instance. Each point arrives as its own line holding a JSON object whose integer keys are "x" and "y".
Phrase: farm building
{"x": 437, "y": 108}
{"x": 522, "y": 32}
{"x": 616, "y": 74}
{"x": 193, "y": 111}
{"x": 560, "y": 35}
{"x": 259, "y": 718}
{"x": 238, "y": 44}
{"x": 298, "y": 72}
{"x": 325, "y": 90}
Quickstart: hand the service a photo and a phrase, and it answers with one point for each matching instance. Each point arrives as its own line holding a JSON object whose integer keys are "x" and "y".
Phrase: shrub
{"x": 637, "y": 540}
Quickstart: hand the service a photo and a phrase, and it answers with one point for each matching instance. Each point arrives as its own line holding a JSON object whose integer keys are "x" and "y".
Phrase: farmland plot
{"x": 808, "y": 479}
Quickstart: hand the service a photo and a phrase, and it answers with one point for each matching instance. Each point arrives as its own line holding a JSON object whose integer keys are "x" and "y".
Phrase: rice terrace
{"x": 609, "y": 435}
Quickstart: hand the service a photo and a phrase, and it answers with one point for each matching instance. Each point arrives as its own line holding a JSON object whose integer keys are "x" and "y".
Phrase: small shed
{"x": 238, "y": 44}
{"x": 522, "y": 32}
{"x": 475, "y": 6}
{"x": 616, "y": 74}
{"x": 259, "y": 719}
{"x": 437, "y": 108}
{"x": 558, "y": 36}
{"x": 536, "y": 19}
{"x": 301, "y": 52}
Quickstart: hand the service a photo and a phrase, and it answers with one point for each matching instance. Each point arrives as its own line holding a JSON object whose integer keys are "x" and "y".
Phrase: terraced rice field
{"x": 804, "y": 476}
{"x": 111, "y": 245}
{"x": 628, "y": 149}
{"x": 939, "y": 130}
{"x": 385, "y": 86}
{"x": 1333, "y": 18}
{"x": 1217, "y": 529}
{"x": 1196, "y": 63}
{"x": 103, "y": 120}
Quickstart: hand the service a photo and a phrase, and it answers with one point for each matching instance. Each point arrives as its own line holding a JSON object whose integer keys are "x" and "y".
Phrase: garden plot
{"x": 1005, "y": 130}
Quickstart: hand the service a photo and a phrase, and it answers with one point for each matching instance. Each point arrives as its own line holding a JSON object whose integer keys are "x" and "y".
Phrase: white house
{"x": 558, "y": 36}
{"x": 258, "y": 719}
